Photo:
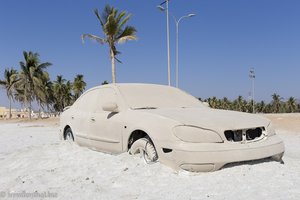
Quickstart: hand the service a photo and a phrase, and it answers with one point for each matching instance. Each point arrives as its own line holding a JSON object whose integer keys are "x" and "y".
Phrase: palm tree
{"x": 68, "y": 97}
{"x": 45, "y": 92}
{"x": 78, "y": 86}
{"x": 225, "y": 103}
{"x": 239, "y": 103}
{"x": 245, "y": 106}
{"x": 291, "y": 104}
{"x": 10, "y": 79}
{"x": 261, "y": 107}
{"x": 19, "y": 95}
{"x": 30, "y": 77}
{"x": 276, "y": 103}
{"x": 112, "y": 23}
{"x": 213, "y": 102}
{"x": 59, "y": 93}
{"x": 62, "y": 92}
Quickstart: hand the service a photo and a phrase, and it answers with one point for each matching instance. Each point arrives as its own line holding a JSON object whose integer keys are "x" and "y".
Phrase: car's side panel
{"x": 79, "y": 117}
{"x": 156, "y": 127}
{"x": 105, "y": 130}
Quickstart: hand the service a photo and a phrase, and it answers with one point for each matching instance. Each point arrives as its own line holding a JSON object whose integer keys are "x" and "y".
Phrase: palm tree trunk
{"x": 113, "y": 67}
{"x": 9, "y": 107}
{"x": 29, "y": 109}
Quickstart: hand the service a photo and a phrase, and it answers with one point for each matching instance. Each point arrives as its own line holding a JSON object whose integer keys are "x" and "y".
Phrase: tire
{"x": 69, "y": 135}
{"x": 146, "y": 149}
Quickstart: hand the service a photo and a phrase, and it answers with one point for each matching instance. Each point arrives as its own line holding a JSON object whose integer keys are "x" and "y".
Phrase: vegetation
{"x": 277, "y": 105}
{"x": 10, "y": 79}
{"x": 112, "y": 24}
{"x": 32, "y": 84}
{"x": 104, "y": 83}
{"x": 78, "y": 86}
{"x": 31, "y": 77}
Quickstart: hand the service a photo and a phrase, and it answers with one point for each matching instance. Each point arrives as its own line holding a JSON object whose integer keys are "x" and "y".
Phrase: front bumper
{"x": 212, "y": 156}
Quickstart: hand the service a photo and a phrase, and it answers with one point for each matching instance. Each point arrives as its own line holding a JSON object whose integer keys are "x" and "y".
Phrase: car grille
{"x": 244, "y": 135}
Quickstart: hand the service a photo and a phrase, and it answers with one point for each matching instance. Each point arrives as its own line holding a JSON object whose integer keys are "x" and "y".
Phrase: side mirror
{"x": 110, "y": 107}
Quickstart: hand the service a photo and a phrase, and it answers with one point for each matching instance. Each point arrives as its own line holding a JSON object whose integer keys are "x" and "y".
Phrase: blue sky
{"x": 217, "y": 47}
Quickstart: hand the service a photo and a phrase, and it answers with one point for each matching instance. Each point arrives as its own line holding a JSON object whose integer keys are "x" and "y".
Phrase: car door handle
{"x": 93, "y": 119}
{"x": 72, "y": 117}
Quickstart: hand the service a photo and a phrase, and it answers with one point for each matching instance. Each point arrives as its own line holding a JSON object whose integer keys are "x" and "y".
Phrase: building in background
{"x": 4, "y": 113}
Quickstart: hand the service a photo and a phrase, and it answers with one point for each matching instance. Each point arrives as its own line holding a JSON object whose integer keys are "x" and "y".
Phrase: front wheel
{"x": 146, "y": 149}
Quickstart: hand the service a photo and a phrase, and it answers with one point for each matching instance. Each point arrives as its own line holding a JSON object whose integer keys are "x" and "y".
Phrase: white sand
{"x": 33, "y": 159}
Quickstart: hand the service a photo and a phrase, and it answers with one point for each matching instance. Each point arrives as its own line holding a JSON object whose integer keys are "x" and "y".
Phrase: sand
{"x": 33, "y": 159}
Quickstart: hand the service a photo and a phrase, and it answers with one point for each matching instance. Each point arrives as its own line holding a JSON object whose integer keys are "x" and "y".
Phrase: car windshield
{"x": 143, "y": 96}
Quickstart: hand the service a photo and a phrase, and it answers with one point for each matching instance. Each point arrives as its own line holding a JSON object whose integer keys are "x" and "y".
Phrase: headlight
{"x": 196, "y": 135}
{"x": 271, "y": 130}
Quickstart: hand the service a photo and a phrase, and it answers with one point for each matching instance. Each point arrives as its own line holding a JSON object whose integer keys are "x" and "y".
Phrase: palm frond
{"x": 111, "y": 26}
{"x": 123, "y": 22}
{"x": 3, "y": 83}
{"x": 128, "y": 34}
{"x": 120, "y": 16}
{"x": 99, "y": 18}
{"x": 93, "y": 37}
{"x": 25, "y": 54}
{"x": 126, "y": 38}
{"x": 44, "y": 65}
{"x": 22, "y": 65}
{"x": 106, "y": 12}
{"x": 119, "y": 61}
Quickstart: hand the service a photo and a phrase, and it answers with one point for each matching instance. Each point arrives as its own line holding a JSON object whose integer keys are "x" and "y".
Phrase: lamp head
{"x": 161, "y": 8}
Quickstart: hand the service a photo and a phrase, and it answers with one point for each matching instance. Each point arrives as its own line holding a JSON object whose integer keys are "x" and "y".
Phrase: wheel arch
{"x": 64, "y": 131}
{"x": 137, "y": 134}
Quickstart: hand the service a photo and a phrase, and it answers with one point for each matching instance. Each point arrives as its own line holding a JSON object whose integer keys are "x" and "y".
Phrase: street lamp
{"x": 252, "y": 76}
{"x": 177, "y": 49}
{"x": 160, "y": 7}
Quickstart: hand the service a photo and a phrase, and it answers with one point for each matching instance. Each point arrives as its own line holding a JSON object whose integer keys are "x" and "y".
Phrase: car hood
{"x": 213, "y": 119}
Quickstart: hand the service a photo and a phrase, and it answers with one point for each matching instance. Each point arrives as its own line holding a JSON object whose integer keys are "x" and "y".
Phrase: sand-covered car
{"x": 165, "y": 124}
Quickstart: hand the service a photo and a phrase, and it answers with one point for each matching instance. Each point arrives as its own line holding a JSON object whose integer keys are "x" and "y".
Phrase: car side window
{"x": 88, "y": 102}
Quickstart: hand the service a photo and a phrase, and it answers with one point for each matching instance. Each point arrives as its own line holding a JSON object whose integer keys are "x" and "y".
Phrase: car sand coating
{"x": 165, "y": 124}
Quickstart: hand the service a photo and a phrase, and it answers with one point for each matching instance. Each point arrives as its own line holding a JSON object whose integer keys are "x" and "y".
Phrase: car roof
{"x": 118, "y": 85}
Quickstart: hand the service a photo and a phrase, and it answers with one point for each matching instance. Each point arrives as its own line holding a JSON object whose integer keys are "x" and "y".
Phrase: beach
{"x": 34, "y": 161}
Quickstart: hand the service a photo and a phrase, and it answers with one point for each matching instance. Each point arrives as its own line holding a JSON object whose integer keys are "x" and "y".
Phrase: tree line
{"x": 32, "y": 84}
{"x": 277, "y": 105}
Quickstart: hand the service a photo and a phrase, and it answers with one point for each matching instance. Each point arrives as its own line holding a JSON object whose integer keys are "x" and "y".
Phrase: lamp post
{"x": 177, "y": 49}
{"x": 252, "y": 76}
{"x": 168, "y": 37}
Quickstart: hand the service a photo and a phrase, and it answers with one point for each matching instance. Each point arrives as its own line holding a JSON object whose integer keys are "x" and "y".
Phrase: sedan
{"x": 166, "y": 124}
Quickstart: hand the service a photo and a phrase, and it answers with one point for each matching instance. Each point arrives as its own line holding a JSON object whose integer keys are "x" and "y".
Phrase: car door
{"x": 80, "y": 116}
{"x": 105, "y": 128}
